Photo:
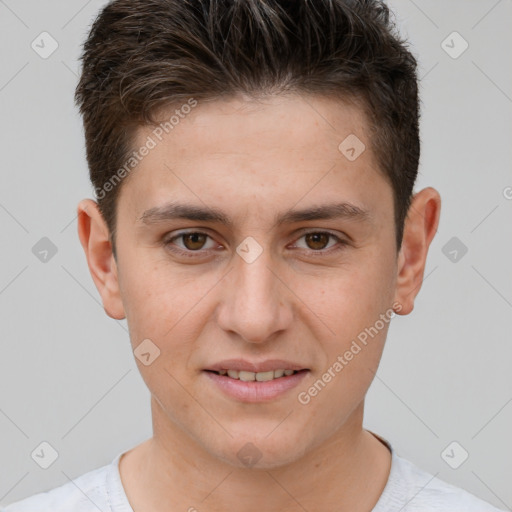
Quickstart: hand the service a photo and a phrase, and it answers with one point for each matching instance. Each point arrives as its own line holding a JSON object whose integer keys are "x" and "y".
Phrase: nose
{"x": 256, "y": 302}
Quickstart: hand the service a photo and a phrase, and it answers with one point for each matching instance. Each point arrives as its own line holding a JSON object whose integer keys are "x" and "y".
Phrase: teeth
{"x": 247, "y": 376}
{"x": 252, "y": 376}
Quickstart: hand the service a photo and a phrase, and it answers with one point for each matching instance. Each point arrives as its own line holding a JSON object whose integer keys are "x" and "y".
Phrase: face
{"x": 247, "y": 234}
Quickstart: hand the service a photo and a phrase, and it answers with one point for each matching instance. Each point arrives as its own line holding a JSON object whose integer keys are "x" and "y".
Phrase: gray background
{"x": 68, "y": 376}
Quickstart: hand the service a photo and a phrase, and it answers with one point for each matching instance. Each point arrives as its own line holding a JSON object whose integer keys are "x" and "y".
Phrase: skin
{"x": 253, "y": 160}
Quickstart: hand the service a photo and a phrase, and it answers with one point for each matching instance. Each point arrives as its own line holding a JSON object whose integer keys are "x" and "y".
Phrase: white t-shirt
{"x": 408, "y": 489}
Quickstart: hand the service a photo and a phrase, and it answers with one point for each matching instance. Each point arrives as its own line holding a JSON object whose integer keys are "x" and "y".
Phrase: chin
{"x": 260, "y": 452}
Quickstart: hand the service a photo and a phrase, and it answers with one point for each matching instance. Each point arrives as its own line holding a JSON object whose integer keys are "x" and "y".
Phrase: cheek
{"x": 350, "y": 298}
{"x": 334, "y": 392}
{"x": 144, "y": 307}
{"x": 355, "y": 304}
{"x": 162, "y": 318}
{"x": 158, "y": 301}
{"x": 169, "y": 310}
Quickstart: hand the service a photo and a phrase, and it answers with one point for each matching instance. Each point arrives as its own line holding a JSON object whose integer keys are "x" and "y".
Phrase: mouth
{"x": 247, "y": 376}
{"x": 255, "y": 386}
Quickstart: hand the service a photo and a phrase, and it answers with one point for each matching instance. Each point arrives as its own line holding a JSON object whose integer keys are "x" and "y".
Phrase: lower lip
{"x": 256, "y": 391}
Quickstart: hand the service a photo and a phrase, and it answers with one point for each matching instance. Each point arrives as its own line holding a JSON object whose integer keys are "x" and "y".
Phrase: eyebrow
{"x": 175, "y": 210}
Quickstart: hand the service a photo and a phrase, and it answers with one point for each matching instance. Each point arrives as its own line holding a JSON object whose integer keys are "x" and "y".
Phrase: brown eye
{"x": 194, "y": 241}
{"x": 317, "y": 241}
{"x": 192, "y": 244}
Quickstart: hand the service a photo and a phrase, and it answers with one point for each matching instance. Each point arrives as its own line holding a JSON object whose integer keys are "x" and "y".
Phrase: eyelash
{"x": 193, "y": 254}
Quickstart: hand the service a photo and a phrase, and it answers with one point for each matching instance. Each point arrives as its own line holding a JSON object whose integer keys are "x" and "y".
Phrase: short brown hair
{"x": 144, "y": 55}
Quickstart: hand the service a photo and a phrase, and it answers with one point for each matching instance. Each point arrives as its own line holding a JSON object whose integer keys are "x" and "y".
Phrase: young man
{"x": 255, "y": 223}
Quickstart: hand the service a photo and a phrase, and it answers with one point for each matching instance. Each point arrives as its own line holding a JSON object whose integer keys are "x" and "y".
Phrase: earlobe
{"x": 94, "y": 237}
{"x": 419, "y": 230}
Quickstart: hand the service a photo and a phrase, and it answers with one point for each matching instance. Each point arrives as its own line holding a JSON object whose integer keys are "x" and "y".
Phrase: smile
{"x": 256, "y": 376}
{"x": 245, "y": 386}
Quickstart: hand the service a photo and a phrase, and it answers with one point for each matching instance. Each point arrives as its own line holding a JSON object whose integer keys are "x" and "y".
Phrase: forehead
{"x": 237, "y": 151}
{"x": 308, "y": 126}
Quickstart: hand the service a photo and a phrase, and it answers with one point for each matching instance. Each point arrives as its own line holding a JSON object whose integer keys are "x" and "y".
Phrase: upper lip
{"x": 249, "y": 366}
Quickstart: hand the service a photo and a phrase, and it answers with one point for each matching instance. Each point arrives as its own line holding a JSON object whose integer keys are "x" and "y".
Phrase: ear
{"x": 419, "y": 230}
{"x": 94, "y": 237}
